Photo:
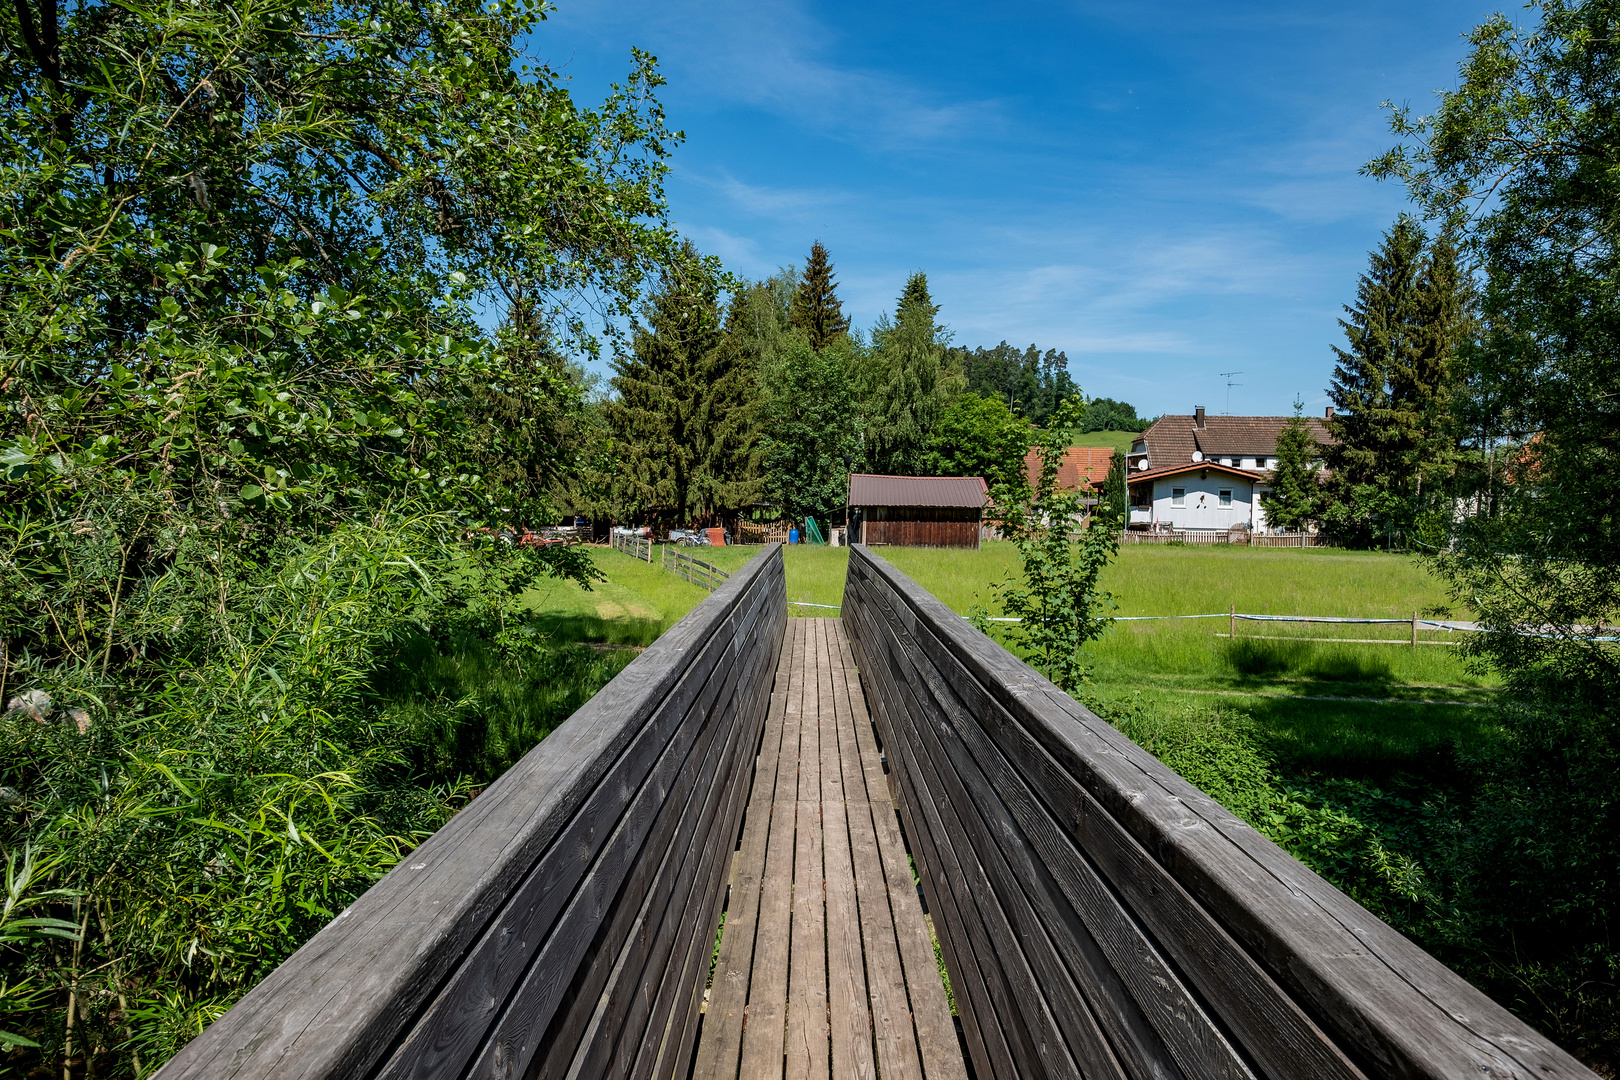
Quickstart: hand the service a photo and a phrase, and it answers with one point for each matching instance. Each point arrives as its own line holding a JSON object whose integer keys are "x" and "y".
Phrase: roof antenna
{"x": 1227, "y": 375}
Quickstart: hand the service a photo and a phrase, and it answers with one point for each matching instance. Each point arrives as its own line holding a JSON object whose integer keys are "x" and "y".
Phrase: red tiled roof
{"x": 1195, "y": 466}
{"x": 1081, "y": 467}
{"x": 868, "y": 490}
{"x": 1171, "y": 439}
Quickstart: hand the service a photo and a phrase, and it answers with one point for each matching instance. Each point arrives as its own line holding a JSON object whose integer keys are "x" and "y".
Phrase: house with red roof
{"x": 1083, "y": 468}
{"x": 1207, "y": 473}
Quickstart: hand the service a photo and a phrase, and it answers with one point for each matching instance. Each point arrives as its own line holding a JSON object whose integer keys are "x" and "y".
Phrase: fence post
{"x": 1414, "y": 629}
{"x": 1231, "y": 631}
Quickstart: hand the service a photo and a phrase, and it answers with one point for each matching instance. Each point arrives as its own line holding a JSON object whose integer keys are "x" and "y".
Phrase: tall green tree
{"x": 979, "y": 436}
{"x": 684, "y": 423}
{"x": 1116, "y": 493}
{"x": 811, "y": 426}
{"x": 911, "y": 383}
{"x": 1391, "y": 424}
{"x": 816, "y": 308}
{"x": 1520, "y": 159}
{"x": 1295, "y": 499}
{"x": 252, "y": 426}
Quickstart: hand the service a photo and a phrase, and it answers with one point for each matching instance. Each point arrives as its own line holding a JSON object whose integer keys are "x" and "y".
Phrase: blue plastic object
{"x": 793, "y": 536}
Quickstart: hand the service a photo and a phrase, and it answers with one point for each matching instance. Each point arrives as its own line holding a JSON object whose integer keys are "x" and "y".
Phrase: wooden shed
{"x": 917, "y": 511}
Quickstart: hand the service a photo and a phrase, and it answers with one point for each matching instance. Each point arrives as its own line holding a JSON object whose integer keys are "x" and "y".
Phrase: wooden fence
{"x": 1288, "y": 540}
{"x": 561, "y": 924}
{"x": 1221, "y": 536}
{"x": 1102, "y": 917}
{"x": 696, "y": 571}
{"x": 753, "y": 532}
{"x": 637, "y": 547}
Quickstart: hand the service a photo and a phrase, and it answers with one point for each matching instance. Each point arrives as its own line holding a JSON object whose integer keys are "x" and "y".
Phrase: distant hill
{"x": 1117, "y": 440}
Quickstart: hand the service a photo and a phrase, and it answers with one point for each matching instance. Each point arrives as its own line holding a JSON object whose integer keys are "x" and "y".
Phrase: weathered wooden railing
{"x": 1102, "y": 917}
{"x": 562, "y": 923}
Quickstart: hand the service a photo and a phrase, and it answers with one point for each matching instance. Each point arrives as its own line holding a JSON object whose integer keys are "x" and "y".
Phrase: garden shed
{"x": 917, "y": 511}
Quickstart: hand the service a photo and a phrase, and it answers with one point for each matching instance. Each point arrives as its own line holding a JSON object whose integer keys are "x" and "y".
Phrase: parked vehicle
{"x": 689, "y": 537}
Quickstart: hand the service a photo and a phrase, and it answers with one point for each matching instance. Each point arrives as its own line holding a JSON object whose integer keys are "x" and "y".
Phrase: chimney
{"x": 1329, "y": 414}
{"x": 1198, "y": 417}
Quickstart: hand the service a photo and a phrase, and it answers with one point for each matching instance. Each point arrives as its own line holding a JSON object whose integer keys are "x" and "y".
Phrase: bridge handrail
{"x": 566, "y": 916}
{"x": 1095, "y": 908}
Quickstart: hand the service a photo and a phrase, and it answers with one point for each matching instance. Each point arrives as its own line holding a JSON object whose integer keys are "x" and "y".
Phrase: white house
{"x": 1198, "y": 495}
{"x": 1207, "y": 472}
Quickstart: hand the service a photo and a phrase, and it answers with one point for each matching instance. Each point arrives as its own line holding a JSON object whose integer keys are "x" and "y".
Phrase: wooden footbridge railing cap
{"x": 1099, "y": 914}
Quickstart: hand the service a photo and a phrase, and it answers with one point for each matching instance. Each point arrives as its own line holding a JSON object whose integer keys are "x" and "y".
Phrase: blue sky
{"x": 1164, "y": 191}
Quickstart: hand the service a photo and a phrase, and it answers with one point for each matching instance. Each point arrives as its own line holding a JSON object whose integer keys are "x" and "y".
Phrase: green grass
{"x": 639, "y": 601}
{"x": 1116, "y": 440}
{"x": 1347, "y": 706}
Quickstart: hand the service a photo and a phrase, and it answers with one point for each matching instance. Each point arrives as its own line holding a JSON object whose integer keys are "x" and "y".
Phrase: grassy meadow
{"x": 1322, "y": 700}
{"x": 1113, "y": 440}
{"x": 1336, "y": 704}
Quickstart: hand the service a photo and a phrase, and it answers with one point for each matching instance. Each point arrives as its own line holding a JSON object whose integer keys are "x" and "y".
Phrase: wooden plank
{"x": 807, "y": 1044}
{"x": 986, "y": 1044}
{"x": 549, "y": 1011}
{"x": 637, "y": 1015}
{"x": 955, "y": 886}
{"x": 1282, "y": 1032}
{"x": 848, "y": 1016}
{"x": 894, "y": 1034}
{"x": 720, "y": 1048}
{"x": 690, "y": 928}
{"x": 1089, "y": 894}
{"x": 1402, "y": 1012}
{"x": 766, "y": 1015}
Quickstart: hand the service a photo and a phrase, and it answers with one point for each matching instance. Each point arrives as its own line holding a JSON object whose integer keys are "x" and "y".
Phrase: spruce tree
{"x": 914, "y": 384}
{"x": 816, "y": 308}
{"x": 1116, "y": 495}
{"x": 1372, "y": 458}
{"x": 1295, "y": 495}
{"x": 915, "y": 294}
{"x": 683, "y": 425}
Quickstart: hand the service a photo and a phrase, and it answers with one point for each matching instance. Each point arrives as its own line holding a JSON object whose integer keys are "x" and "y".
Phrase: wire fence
{"x": 1416, "y": 623}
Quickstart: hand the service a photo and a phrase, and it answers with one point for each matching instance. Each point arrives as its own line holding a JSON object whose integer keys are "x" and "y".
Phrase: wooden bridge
{"x": 774, "y": 781}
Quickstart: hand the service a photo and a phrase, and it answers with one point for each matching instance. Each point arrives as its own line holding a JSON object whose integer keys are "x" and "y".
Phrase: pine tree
{"x": 684, "y": 428}
{"x": 1116, "y": 497}
{"x": 1372, "y": 459}
{"x": 914, "y": 386}
{"x": 915, "y": 294}
{"x": 816, "y": 308}
{"x": 1295, "y": 496}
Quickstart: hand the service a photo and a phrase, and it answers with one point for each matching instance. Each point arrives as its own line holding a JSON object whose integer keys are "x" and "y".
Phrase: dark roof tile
{"x": 868, "y": 490}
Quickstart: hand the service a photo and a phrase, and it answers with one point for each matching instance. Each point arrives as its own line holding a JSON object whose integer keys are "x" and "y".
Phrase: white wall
{"x": 1203, "y": 509}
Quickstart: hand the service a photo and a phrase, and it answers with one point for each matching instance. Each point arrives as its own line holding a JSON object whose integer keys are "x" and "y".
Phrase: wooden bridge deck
{"x": 826, "y": 966}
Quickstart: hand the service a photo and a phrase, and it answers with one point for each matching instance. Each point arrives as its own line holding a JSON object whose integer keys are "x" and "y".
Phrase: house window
{"x": 1178, "y": 496}
{"x": 1226, "y": 496}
